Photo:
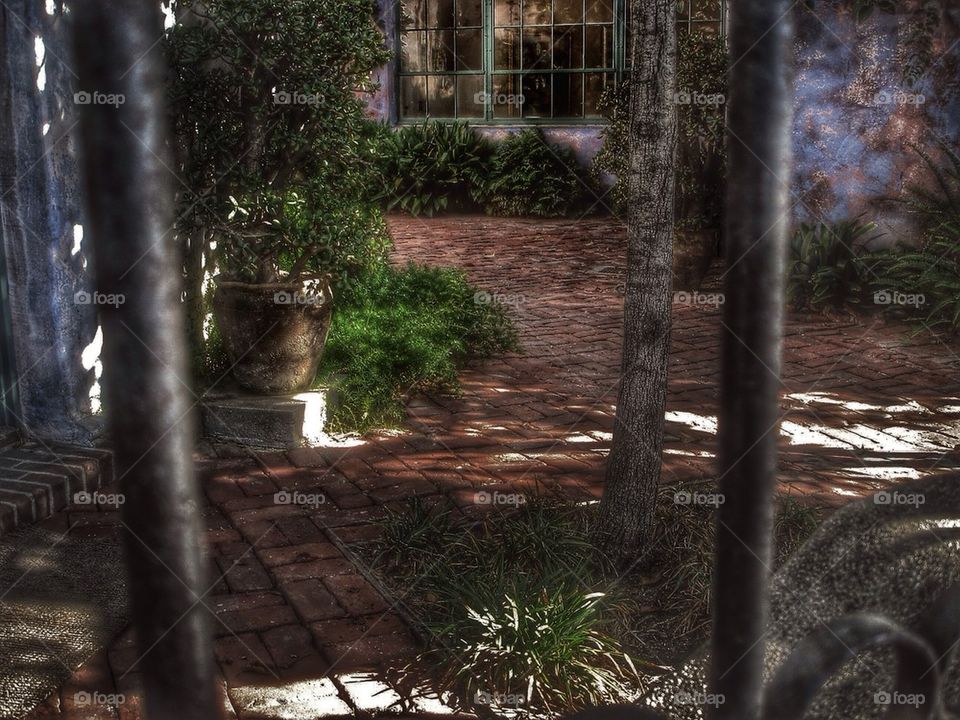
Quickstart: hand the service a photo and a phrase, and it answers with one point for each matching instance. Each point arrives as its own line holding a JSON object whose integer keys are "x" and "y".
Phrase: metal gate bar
{"x": 758, "y": 153}
{"x": 131, "y": 214}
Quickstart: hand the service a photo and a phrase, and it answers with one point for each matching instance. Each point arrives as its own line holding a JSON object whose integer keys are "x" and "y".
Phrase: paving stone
{"x": 312, "y": 600}
{"x": 357, "y": 595}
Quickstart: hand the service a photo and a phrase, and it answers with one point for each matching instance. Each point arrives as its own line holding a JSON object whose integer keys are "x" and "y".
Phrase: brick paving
{"x": 301, "y": 630}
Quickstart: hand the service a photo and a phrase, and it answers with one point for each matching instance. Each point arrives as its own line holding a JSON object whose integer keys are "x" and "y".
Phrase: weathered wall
{"x": 857, "y": 119}
{"x": 54, "y": 334}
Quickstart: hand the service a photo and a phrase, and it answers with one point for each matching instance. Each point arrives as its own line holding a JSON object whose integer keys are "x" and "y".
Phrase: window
{"x": 518, "y": 60}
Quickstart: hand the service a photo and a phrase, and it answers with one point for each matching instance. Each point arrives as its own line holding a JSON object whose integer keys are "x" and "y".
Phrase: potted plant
{"x": 277, "y": 173}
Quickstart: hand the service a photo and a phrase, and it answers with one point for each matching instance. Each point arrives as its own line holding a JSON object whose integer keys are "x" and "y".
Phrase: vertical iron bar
{"x": 758, "y": 151}
{"x": 131, "y": 214}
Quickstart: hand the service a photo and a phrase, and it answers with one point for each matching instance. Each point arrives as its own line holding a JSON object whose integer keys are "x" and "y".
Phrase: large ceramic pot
{"x": 693, "y": 252}
{"x": 274, "y": 333}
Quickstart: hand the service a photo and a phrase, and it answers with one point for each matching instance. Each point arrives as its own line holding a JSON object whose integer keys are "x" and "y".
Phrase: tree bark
{"x": 633, "y": 470}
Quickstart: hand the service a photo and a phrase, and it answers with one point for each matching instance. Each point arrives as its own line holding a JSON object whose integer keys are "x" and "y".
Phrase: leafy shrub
{"x": 828, "y": 267}
{"x": 435, "y": 167}
{"x": 401, "y": 330}
{"x": 432, "y": 167}
{"x": 511, "y": 600}
{"x": 933, "y": 270}
{"x": 701, "y": 73}
{"x": 529, "y": 176}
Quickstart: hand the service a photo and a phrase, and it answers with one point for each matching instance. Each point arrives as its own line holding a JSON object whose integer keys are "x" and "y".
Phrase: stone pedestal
{"x": 267, "y": 421}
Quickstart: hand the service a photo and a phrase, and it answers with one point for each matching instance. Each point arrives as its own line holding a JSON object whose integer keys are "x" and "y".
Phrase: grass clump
{"x": 400, "y": 330}
{"x": 516, "y": 607}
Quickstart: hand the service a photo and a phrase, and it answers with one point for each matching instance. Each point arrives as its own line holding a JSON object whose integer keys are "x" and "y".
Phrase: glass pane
{"x": 568, "y": 46}
{"x": 593, "y": 86}
{"x": 469, "y": 13}
{"x": 413, "y": 97}
{"x": 440, "y": 13}
{"x": 567, "y": 95}
{"x": 413, "y": 51}
{"x": 536, "y": 95}
{"x": 440, "y": 50}
{"x": 506, "y": 54}
{"x": 568, "y": 11}
{"x": 470, "y": 96}
{"x": 536, "y": 12}
{"x": 599, "y": 45}
{"x": 599, "y": 11}
{"x": 413, "y": 14}
{"x": 507, "y": 12}
{"x": 506, "y": 87}
{"x": 470, "y": 49}
{"x": 683, "y": 9}
{"x": 706, "y": 9}
{"x": 536, "y": 48}
{"x": 441, "y": 96}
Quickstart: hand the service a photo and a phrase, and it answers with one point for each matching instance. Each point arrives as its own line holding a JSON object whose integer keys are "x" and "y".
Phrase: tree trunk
{"x": 633, "y": 470}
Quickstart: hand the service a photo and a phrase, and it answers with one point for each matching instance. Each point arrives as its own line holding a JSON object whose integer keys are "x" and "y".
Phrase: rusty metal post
{"x": 758, "y": 146}
{"x": 130, "y": 201}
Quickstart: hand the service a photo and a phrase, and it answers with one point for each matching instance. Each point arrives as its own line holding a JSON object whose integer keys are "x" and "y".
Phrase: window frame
{"x": 488, "y": 72}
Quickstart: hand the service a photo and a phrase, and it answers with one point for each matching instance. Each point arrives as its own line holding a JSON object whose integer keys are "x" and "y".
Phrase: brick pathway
{"x": 302, "y": 632}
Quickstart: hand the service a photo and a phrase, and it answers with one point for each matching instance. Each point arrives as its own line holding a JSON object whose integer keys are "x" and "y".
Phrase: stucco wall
{"x": 856, "y": 118}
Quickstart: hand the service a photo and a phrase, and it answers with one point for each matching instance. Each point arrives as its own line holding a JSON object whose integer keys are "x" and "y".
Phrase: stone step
{"x": 267, "y": 421}
{"x": 37, "y": 480}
